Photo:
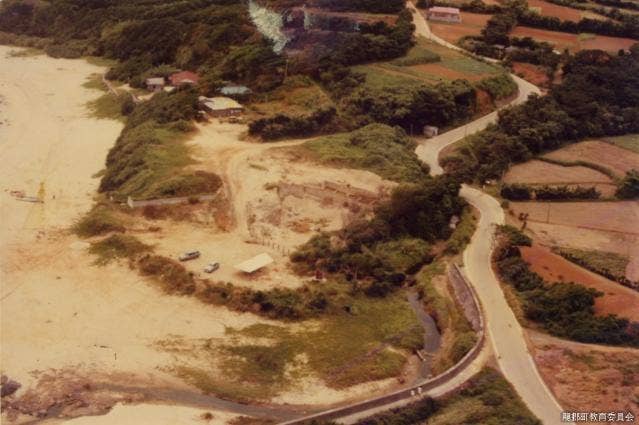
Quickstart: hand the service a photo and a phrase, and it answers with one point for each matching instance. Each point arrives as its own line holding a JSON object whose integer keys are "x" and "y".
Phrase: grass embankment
{"x": 487, "y": 399}
{"x": 600, "y": 262}
{"x": 378, "y": 148}
{"x": 149, "y": 157}
{"x": 629, "y": 141}
{"x": 457, "y": 334}
{"x": 369, "y": 342}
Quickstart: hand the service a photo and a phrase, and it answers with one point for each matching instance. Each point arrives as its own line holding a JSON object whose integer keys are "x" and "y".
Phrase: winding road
{"x": 503, "y": 330}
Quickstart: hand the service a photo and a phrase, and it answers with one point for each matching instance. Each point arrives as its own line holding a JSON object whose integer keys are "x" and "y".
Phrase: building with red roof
{"x": 184, "y": 77}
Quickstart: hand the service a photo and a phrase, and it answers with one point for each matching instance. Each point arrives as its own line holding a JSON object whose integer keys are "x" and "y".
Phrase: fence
{"x": 169, "y": 201}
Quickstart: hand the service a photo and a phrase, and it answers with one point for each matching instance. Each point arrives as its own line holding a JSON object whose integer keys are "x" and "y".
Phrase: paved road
{"x": 504, "y": 332}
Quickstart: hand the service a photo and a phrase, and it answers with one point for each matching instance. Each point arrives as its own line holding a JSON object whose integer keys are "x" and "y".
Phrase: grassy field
{"x": 597, "y": 260}
{"x": 369, "y": 342}
{"x": 489, "y": 399}
{"x": 298, "y": 95}
{"x": 628, "y": 141}
{"x": 378, "y": 148}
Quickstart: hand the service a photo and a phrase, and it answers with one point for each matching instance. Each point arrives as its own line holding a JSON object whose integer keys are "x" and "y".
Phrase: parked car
{"x": 189, "y": 255}
{"x": 211, "y": 267}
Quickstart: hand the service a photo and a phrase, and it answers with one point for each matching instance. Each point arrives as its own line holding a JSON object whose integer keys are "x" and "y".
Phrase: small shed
{"x": 155, "y": 83}
{"x": 444, "y": 14}
{"x": 220, "y": 106}
{"x": 430, "y": 131}
{"x": 184, "y": 78}
{"x": 254, "y": 264}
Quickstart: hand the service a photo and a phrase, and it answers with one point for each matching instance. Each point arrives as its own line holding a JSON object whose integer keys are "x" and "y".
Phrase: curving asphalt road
{"x": 504, "y": 331}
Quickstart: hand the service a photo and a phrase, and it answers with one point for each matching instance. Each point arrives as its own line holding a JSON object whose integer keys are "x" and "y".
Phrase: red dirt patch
{"x": 549, "y": 9}
{"x": 562, "y": 40}
{"x": 617, "y": 159}
{"x": 471, "y": 24}
{"x": 444, "y": 72}
{"x": 532, "y": 73}
{"x": 617, "y": 299}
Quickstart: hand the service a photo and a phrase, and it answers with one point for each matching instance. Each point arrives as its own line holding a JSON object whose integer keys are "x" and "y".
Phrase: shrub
{"x": 98, "y": 221}
{"x": 173, "y": 276}
{"x": 629, "y": 186}
{"x": 117, "y": 246}
{"x": 516, "y": 192}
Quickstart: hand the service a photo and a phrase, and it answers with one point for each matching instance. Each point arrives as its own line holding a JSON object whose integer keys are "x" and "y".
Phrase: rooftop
{"x": 219, "y": 103}
{"x": 233, "y": 89}
{"x": 440, "y": 9}
{"x": 253, "y": 264}
{"x": 156, "y": 81}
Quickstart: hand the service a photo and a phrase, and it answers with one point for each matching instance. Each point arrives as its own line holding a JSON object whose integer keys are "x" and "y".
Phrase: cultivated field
{"x": 616, "y": 159}
{"x": 628, "y": 141}
{"x": 617, "y": 299}
{"x": 564, "y": 13}
{"x": 574, "y": 42}
{"x": 451, "y": 66}
{"x": 543, "y": 173}
{"x": 583, "y": 376}
{"x": 605, "y": 226}
{"x": 471, "y": 24}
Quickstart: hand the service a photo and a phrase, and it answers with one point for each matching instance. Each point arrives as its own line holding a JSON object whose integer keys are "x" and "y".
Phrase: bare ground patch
{"x": 617, "y": 159}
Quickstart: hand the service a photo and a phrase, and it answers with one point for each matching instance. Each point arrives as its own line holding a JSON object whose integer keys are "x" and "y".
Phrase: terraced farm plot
{"x": 564, "y": 13}
{"x": 617, "y": 217}
{"x": 297, "y": 96}
{"x": 451, "y": 66}
{"x": 617, "y": 299}
{"x": 471, "y": 24}
{"x": 543, "y": 173}
{"x": 574, "y": 42}
{"x": 617, "y": 159}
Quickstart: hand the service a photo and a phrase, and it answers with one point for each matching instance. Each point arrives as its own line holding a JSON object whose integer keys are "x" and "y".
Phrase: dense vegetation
{"x": 599, "y": 96}
{"x": 214, "y": 36}
{"x": 384, "y": 150}
{"x": 147, "y": 159}
{"x": 487, "y": 399}
{"x": 564, "y": 309}
{"x": 522, "y": 192}
{"x": 416, "y": 215}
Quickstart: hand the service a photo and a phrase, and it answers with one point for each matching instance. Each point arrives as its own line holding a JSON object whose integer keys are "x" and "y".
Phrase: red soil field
{"x": 471, "y": 24}
{"x": 617, "y": 299}
{"x": 444, "y": 72}
{"x": 617, "y": 159}
{"x": 561, "y": 12}
{"x": 532, "y": 73}
{"x": 562, "y": 40}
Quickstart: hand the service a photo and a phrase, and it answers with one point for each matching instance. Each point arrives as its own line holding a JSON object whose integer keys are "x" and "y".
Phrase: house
{"x": 444, "y": 14}
{"x": 155, "y": 83}
{"x": 234, "y": 90}
{"x": 184, "y": 78}
{"x": 254, "y": 264}
{"x": 220, "y": 106}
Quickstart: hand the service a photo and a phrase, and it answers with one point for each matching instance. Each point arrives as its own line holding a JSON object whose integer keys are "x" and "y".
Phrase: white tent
{"x": 254, "y": 264}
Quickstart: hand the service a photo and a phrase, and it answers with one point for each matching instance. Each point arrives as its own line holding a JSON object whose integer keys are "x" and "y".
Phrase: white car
{"x": 189, "y": 255}
{"x": 211, "y": 267}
